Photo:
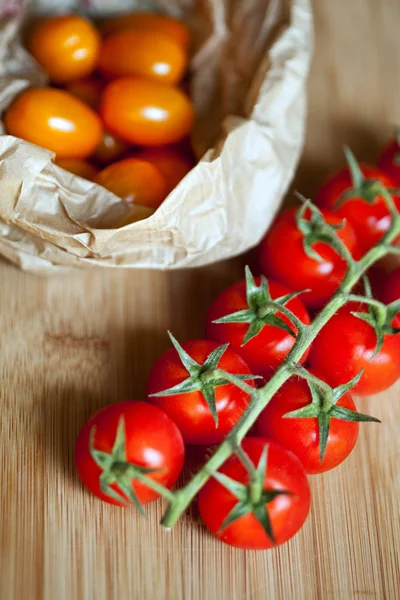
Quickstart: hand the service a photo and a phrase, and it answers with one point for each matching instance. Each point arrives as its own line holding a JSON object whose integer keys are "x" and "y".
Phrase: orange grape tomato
{"x": 173, "y": 165}
{"x": 146, "y": 113}
{"x": 142, "y": 53}
{"x": 175, "y": 28}
{"x": 110, "y": 149}
{"x": 78, "y": 166}
{"x": 66, "y": 46}
{"x": 134, "y": 180}
{"x": 88, "y": 90}
{"x": 56, "y": 120}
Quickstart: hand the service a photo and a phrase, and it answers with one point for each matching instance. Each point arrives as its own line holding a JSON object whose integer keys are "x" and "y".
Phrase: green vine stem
{"x": 306, "y": 334}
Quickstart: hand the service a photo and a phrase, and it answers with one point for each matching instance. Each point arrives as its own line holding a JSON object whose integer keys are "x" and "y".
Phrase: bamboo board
{"x": 71, "y": 345}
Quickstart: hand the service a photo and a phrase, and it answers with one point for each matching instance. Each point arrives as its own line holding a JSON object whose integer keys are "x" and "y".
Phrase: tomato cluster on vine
{"x": 206, "y": 391}
{"x": 117, "y": 111}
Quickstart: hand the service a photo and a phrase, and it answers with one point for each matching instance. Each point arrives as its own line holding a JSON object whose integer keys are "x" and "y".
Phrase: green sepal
{"x": 315, "y": 229}
{"x": 204, "y": 378}
{"x": 191, "y": 366}
{"x": 117, "y": 470}
{"x": 262, "y": 310}
{"x": 379, "y": 315}
{"x": 345, "y": 414}
{"x": 367, "y": 189}
{"x": 252, "y": 498}
{"x": 323, "y": 406}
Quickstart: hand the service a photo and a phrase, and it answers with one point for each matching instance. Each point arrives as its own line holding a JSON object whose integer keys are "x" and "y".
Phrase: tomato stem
{"x": 306, "y": 335}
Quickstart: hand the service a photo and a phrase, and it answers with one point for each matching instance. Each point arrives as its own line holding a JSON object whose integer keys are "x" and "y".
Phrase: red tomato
{"x": 289, "y": 263}
{"x": 126, "y": 434}
{"x": 134, "y": 180}
{"x": 146, "y": 113}
{"x": 78, "y": 167}
{"x": 390, "y": 291}
{"x": 173, "y": 165}
{"x": 110, "y": 149}
{"x": 174, "y": 28}
{"x": 346, "y": 345}
{"x": 143, "y": 53}
{"x": 55, "y": 120}
{"x": 286, "y": 510}
{"x": 369, "y": 220}
{"x": 389, "y": 160}
{"x": 88, "y": 90}
{"x": 66, "y": 46}
{"x": 190, "y": 410}
{"x": 266, "y": 351}
{"x": 301, "y": 435}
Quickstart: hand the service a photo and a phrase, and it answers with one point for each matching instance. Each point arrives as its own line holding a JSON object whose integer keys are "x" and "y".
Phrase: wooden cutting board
{"x": 71, "y": 344}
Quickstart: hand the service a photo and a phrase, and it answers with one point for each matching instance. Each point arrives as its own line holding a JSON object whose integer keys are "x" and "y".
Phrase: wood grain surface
{"x": 71, "y": 344}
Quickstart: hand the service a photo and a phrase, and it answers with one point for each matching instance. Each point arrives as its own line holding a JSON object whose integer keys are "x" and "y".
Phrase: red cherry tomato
{"x": 173, "y": 165}
{"x": 346, "y": 345}
{"x": 369, "y": 221}
{"x": 390, "y": 291}
{"x": 266, "y": 351}
{"x": 88, "y": 90}
{"x": 147, "y": 438}
{"x": 134, "y": 180}
{"x": 287, "y": 511}
{"x": 389, "y": 161}
{"x": 66, "y": 46}
{"x": 301, "y": 435}
{"x": 56, "y": 120}
{"x": 288, "y": 262}
{"x": 78, "y": 167}
{"x": 190, "y": 410}
{"x": 146, "y": 113}
{"x": 143, "y": 53}
{"x": 174, "y": 28}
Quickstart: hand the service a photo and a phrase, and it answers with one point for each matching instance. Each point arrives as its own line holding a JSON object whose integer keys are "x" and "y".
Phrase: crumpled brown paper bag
{"x": 249, "y": 71}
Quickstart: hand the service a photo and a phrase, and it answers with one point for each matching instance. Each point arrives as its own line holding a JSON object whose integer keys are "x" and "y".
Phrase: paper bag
{"x": 248, "y": 81}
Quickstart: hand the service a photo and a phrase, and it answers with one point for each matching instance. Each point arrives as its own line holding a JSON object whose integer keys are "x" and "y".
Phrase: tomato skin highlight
{"x": 146, "y": 113}
{"x": 78, "y": 167}
{"x": 266, "y": 351}
{"x": 288, "y": 262}
{"x": 56, "y": 120}
{"x": 152, "y": 441}
{"x": 300, "y": 435}
{"x": 174, "y": 28}
{"x": 66, "y": 46}
{"x": 346, "y": 344}
{"x": 369, "y": 221}
{"x": 142, "y": 53}
{"x": 287, "y": 513}
{"x": 389, "y": 161}
{"x": 190, "y": 411}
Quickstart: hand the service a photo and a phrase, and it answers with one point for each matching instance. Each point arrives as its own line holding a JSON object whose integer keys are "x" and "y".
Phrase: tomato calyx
{"x": 262, "y": 310}
{"x": 117, "y": 470}
{"x": 379, "y": 315}
{"x": 323, "y": 406}
{"x": 365, "y": 188}
{"x": 252, "y": 498}
{"x": 315, "y": 229}
{"x": 204, "y": 378}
